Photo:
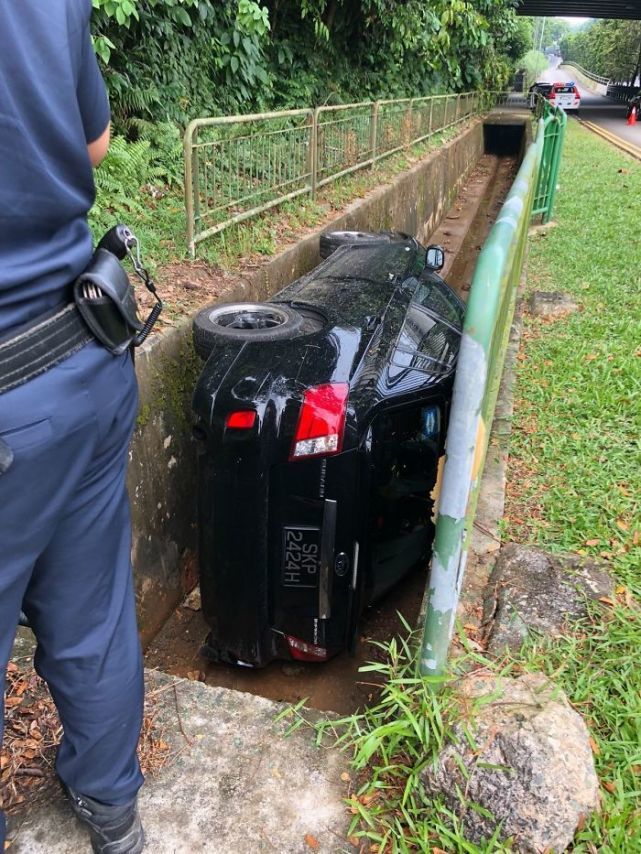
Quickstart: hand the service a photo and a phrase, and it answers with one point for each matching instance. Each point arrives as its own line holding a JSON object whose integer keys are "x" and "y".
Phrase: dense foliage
{"x": 177, "y": 59}
{"x": 611, "y": 48}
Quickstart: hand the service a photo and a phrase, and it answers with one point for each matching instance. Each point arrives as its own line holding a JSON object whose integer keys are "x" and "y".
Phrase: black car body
{"x": 319, "y": 449}
{"x": 541, "y": 87}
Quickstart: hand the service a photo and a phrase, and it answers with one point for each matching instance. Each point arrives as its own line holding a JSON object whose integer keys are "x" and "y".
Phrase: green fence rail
{"x": 488, "y": 319}
{"x": 239, "y": 166}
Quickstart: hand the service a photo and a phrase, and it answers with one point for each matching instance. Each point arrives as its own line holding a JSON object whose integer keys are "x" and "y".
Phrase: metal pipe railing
{"x": 239, "y": 166}
{"x": 488, "y": 319}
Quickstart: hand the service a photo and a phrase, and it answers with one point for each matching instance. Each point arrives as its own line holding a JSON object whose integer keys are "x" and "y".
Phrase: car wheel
{"x": 333, "y": 240}
{"x": 244, "y": 321}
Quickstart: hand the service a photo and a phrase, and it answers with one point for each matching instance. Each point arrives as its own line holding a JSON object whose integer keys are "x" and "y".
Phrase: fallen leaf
{"x": 606, "y": 600}
{"x": 355, "y": 841}
{"x": 312, "y": 842}
{"x": 591, "y": 357}
{"x": 609, "y": 786}
{"x": 592, "y": 542}
{"x": 595, "y": 747}
{"x": 622, "y": 525}
{"x": 345, "y": 777}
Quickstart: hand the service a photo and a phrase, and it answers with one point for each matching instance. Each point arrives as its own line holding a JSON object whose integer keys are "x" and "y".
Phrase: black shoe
{"x": 113, "y": 830}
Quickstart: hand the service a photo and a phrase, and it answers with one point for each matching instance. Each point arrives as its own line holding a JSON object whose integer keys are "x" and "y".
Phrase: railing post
{"x": 458, "y": 107}
{"x": 373, "y": 131}
{"x": 429, "y": 133}
{"x": 192, "y": 195}
{"x": 313, "y": 153}
{"x": 410, "y": 120}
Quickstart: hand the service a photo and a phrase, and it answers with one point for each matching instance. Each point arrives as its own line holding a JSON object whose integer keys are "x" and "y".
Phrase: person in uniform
{"x": 67, "y": 411}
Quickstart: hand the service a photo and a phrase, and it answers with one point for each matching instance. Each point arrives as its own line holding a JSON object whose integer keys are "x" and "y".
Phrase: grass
{"x": 574, "y": 485}
{"x": 575, "y": 456}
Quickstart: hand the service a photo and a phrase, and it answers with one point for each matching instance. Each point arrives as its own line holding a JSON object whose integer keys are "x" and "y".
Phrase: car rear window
{"x": 564, "y": 90}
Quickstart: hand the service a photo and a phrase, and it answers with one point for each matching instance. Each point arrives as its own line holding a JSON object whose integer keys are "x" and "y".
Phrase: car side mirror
{"x": 435, "y": 257}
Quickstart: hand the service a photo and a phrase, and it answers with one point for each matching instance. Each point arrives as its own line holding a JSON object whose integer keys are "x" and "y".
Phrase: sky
{"x": 574, "y": 22}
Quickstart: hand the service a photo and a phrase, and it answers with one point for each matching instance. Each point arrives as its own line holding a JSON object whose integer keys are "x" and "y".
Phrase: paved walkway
{"x": 232, "y": 783}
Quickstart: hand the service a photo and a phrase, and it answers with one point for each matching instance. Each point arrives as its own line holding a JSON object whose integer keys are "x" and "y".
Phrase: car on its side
{"x": 320, "y": 423}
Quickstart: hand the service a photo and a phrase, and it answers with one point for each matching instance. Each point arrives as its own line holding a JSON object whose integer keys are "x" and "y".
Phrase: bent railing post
{"x": 485, "y": 333}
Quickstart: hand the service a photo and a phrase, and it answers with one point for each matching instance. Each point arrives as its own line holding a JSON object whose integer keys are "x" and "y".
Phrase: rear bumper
{"x": 276, "y": 554}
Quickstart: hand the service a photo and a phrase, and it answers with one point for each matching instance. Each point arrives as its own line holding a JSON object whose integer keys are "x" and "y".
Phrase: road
{"x": 606, "y": 114}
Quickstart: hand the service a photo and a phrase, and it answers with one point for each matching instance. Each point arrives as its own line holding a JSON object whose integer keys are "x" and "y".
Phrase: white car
{"x": 565, "y": 95}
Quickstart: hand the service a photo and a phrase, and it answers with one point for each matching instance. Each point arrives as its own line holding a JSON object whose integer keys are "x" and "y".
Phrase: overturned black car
{"x": 321, "y": 419}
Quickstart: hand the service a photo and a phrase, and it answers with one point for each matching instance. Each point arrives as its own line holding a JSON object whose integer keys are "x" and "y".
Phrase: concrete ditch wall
{"x": 162, "y": 474}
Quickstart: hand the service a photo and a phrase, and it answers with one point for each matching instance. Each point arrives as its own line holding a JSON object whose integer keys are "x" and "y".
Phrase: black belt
{"x": 40, "y": 344}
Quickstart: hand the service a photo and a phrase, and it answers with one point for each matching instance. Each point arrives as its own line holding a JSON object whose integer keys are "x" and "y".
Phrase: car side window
{"x": 436, "y": 296}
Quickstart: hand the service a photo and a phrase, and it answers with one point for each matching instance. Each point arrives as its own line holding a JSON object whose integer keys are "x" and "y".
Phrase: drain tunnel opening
{"x": 505, "y": 138}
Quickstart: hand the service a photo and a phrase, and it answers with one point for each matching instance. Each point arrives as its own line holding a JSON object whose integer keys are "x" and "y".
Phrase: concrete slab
{"x": 233, "y": 782}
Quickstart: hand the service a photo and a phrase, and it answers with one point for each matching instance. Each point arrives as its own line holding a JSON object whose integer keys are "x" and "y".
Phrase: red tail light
{"x": 303, "y": 651}
{"x": 241, "y": 420}
{"x": 321, "y": 422}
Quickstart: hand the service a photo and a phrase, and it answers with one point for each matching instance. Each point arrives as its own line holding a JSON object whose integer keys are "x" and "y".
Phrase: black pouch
{"x": 105, "y": 298}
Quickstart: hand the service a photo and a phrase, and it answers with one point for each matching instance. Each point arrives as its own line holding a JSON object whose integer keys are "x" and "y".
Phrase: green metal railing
{"x": 488, "y": 320}
{"x": 239, "y": 166}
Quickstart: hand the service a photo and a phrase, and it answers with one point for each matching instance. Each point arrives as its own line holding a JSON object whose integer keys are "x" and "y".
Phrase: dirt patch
{"x": 184, "y": 287}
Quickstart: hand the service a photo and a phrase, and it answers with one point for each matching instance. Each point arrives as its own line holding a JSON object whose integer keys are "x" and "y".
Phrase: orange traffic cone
{"x": 632, "y": 118}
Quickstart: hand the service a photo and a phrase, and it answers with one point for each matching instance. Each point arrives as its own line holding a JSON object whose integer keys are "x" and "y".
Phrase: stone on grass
{"x": 552, "y": 304}
{"x": 533, "y": 590}
{"x": 527, "y": 760}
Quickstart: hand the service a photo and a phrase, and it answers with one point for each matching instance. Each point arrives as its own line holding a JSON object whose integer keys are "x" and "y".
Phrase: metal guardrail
{"x": 621, "y": 91}
{"x": 239, "y": 166}
{"x": 488, "y": 320}
{"x": 597, "y": 78}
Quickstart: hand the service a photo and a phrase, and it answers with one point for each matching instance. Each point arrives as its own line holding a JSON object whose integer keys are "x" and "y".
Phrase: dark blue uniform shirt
{"x": 52, "y": 103}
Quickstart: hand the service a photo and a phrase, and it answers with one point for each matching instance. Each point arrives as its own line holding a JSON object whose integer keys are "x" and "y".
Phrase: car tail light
{"x": 321, "y": 422}
{"x": 241, "y": 420}
{"x": 303, "y": 651}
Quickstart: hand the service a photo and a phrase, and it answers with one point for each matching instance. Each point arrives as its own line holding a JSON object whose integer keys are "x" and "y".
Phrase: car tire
{"x": 244, "y": 321}
{"x": 333, "y": 240}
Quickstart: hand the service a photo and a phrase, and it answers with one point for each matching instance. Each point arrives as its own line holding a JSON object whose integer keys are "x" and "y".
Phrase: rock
{"x": 552, "y": 304}
{"x": 530, "y": 589}
{"x": 545, "y": 785}
{"x": 192, "y": 600}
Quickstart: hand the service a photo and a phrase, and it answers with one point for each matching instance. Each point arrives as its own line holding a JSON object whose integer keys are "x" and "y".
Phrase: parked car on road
{"x": 566, "y": 96}
{"x": 321, "y": 419}
{"x": 538, "y": 88}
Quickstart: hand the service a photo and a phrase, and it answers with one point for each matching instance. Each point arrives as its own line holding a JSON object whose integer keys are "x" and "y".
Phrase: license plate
{"x": 301, "y": 557}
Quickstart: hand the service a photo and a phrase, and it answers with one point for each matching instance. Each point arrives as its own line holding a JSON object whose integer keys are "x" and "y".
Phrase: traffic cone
{"x": 632, "y": 118}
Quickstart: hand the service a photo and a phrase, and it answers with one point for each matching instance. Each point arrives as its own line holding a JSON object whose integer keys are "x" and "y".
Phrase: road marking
{"x": 628, "y": 147}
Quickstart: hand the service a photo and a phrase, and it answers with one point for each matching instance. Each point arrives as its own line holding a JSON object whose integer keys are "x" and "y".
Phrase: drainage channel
{"x": 337, "y": 685}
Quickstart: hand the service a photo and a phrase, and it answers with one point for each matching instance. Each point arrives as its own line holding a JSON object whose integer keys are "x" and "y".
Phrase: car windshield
{"x": 379, "y": 264}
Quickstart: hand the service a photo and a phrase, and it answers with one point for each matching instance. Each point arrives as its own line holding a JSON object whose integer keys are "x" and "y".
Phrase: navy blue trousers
{"x": 65, "y": 543}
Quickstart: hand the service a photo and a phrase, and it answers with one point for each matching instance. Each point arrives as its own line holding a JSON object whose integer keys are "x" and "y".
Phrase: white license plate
{"x": 301, "y": 556}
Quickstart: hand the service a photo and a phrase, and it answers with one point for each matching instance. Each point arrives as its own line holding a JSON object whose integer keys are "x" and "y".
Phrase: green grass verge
{"x": 575, "y": 455}
{"x": 575, "y": 484}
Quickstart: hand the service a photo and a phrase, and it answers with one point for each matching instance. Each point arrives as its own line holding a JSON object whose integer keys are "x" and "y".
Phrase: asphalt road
{"x": 607, "y": 114}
